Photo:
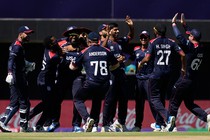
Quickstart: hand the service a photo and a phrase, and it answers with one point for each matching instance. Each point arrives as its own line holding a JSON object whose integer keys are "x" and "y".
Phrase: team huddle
{"x": 163, "y": 67}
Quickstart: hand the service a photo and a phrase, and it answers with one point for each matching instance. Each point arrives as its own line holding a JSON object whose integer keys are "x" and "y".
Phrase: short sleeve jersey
{"x": 147, "y": 68}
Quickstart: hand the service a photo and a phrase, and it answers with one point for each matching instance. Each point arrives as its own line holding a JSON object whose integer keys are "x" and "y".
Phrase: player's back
{"x": 96, "y": 61}
{"x": 47, "y": 74}
{"x": 194, "y": 58}
{"x": 167, "y": 58}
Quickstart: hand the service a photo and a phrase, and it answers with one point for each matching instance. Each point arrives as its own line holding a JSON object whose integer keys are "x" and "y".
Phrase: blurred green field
{"x": 107, "y": 136}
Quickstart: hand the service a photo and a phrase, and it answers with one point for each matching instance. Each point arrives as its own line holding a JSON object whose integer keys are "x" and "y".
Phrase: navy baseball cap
{"x": 93, "y": 36}
{"x": 101, "y": 27}
{"x": 195, "y": 33}
{"x": 25, "y": 29}
{"x": 144, "y": 34}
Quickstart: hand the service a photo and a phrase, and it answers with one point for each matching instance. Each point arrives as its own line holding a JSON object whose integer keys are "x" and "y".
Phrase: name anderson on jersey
{"x": 97, "y": 53}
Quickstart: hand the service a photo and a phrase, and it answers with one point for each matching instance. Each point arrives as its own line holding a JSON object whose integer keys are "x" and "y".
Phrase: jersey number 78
{"x": 100, "y": 66}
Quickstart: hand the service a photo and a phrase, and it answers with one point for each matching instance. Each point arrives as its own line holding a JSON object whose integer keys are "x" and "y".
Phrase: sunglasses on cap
{"x": 143, "y": 37}
{"x": 73, "y": 34}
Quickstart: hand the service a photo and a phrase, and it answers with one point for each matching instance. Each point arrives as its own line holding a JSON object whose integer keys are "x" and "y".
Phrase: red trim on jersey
{"x": 51, "y": 54}
{"x": 107, "y": 48}
{"x": 99, "y": 42}
{"x": 137, "y": 48}
{"x": 187, "y": 32}
{"x": 171, "y": 39}
{"x": 82, "y": 51}
{"x": 18, "y": 43}
{"x": 61, "y": 43}
{"x": 152, "y": 40}
{"x": 147, "y": 54}
{"x": 196, "y": 45}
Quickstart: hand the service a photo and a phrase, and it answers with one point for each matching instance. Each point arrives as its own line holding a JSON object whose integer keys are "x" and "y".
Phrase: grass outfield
{"x": 107, "y": 136}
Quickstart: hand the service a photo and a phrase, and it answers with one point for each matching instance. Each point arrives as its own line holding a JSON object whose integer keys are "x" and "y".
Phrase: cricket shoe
{"x": 106, "y": 129}
{"x": 165, "y": 130}
{"x": 4, "y": 128}
{"x": 135, "y": 129}
{"x": 95, "y": 129}
{"x": 77, "y": 129}
{"x": 156, "y": 127}
{"x": 53, "y": 126}
{"x": 175, "y": 130}
{"x": 88, "y": 125}
{"x": 117, "y": 127}
{"x": 28, "y": 129}
{"x": 170, "y": 124}
{"x": 38, "y": 128}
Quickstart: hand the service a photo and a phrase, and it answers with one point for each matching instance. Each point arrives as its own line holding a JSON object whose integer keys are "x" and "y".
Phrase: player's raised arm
{"x": 129, "y": 21}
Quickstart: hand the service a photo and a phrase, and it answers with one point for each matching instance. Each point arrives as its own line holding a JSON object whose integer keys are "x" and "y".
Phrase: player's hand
{"x": 10, "y": 79}
{"x": 129, "y": 21}
{"x": 139, "y": 65}
{"x": 182, "y": 19}
{"x": 174, "y": 18}
{"x": 68, "y": 48}
{"x": 120, "y": 58}
{"x": 108, "y": 30}
{"x": 183, "y": 72}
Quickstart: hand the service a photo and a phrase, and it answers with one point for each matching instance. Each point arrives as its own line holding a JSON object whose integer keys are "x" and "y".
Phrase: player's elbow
{"x": 182, "y": 53}
{"x": 114, "y": 67}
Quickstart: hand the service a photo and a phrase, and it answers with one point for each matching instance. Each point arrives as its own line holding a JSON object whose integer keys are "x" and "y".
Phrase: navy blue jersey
{"x": 96, "y": 61}
{"x": 166, "y": 52}
{"x": 16, "y": 61}
{"x": 147, "y": 68}
{"x": 62, "y": 42}
{"x": 63, "y": 70}
{"x": 194, "y": 56}
{"x": 71, "y": 57}
{"x": 116, "y": 48}
{"x": 47, "y": 75}
{"x": 193, "y": 52}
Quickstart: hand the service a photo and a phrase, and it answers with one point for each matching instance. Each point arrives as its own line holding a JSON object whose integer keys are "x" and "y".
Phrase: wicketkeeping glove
{"x": 30, "y": 66}
{"x": 10, "y": 79}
